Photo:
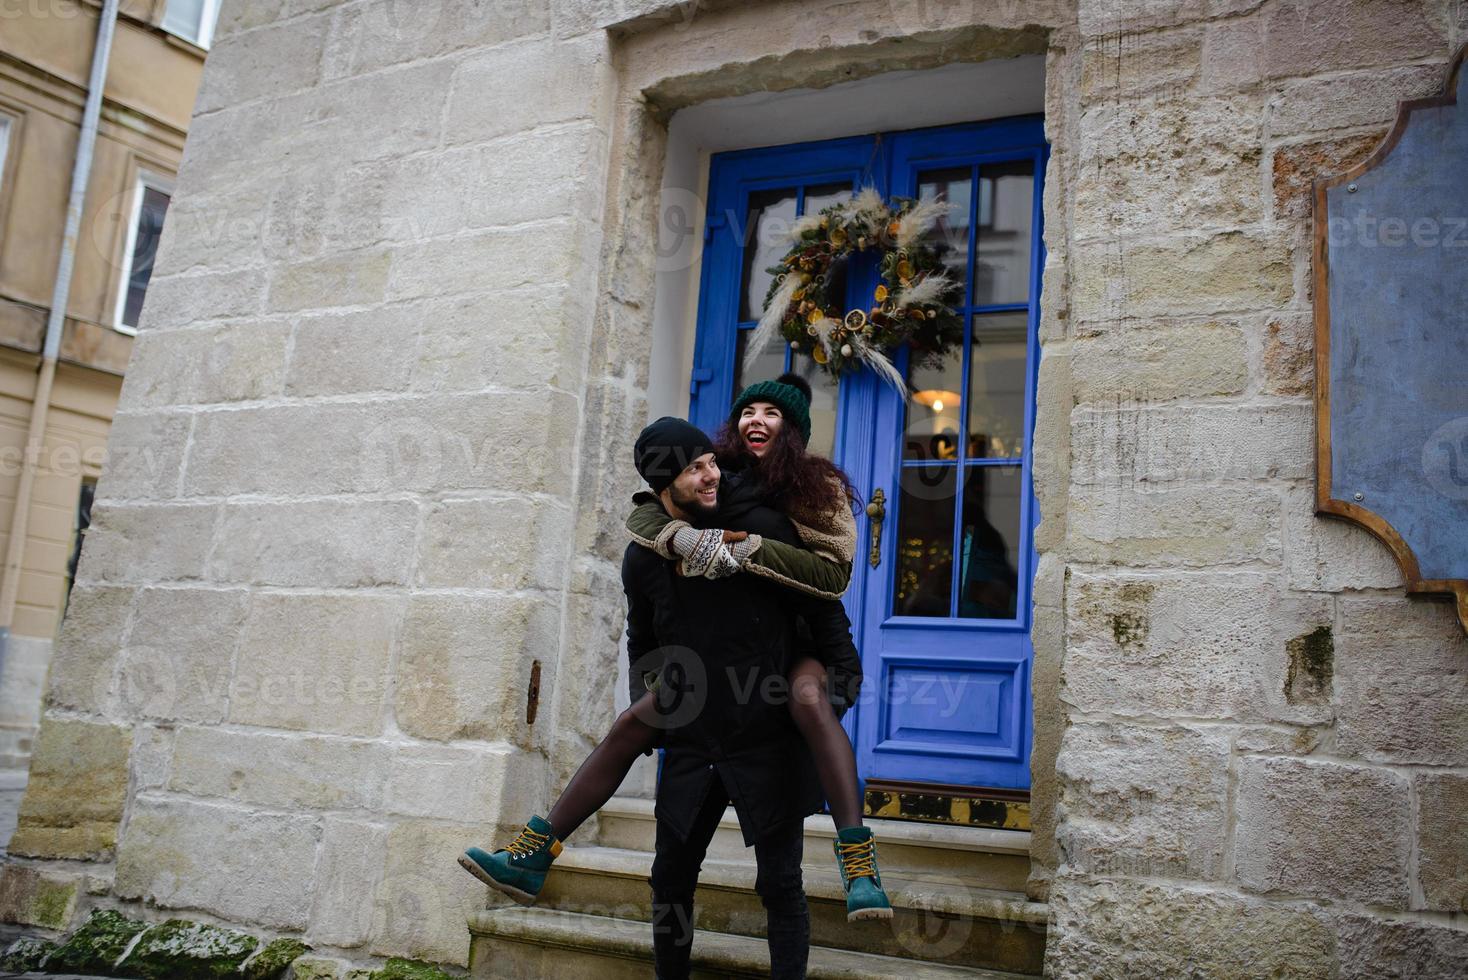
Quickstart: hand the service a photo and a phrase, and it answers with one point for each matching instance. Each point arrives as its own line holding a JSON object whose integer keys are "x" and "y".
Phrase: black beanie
{"x": 665, "y": 448}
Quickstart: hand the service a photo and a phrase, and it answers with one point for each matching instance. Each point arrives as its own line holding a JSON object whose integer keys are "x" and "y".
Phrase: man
{"x": 727, "y": 645}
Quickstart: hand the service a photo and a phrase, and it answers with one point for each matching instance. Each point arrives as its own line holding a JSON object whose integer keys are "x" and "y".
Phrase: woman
{"x": 764, "y": 442}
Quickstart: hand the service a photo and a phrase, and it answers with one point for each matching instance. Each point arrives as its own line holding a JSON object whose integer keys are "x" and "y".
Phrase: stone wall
{"x": 372, "y": 458}
{"x": 1262, "y": 734}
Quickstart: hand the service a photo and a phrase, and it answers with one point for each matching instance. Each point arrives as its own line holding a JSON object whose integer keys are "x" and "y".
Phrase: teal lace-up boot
{"x": 520, "y": 869}
{"x": 856, "y": 853}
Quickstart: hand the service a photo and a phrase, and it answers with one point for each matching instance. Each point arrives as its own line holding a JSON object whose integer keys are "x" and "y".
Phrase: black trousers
{"x": 675, "y": 870}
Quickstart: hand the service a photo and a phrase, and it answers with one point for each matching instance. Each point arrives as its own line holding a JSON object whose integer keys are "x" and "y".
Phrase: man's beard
{"x": 692, "y": 504}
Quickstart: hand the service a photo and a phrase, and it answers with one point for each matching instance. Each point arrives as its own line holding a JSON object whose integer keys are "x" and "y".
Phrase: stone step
{"x": 521, "y": 944}
{"x": 992, "y": 859}
{"x": 938, "y": 918}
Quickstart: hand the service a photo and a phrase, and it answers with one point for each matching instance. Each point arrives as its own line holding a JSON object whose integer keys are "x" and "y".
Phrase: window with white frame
{"x": 150, "y": 205}
{"x": 192, "y": 20}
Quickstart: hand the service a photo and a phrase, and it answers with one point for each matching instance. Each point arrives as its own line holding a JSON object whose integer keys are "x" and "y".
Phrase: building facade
{"x": 350, "y": 600}
{"x": 153, "y": 76}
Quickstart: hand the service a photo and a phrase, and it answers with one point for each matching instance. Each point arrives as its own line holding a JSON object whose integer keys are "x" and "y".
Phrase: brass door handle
{"x": 876, "y": 513}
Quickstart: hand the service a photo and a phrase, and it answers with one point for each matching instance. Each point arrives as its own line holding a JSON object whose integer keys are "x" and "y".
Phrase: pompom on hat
{"x": 790, "y": 393}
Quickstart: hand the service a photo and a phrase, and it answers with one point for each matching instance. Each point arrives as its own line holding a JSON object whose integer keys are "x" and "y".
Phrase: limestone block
{"x": 186, "y": 300}
{"x": 346, "y": 353}
{"x": 179, "y": 948}
{"x": 315, "y": 663}
{"x": 1229, "y": 271}
{"x": 1287, "y": 356}
{"x": 147, "y": 542}
{"x": 1118, "y": 930}
{"x": 179, "y": 652}
{"x": 514, "y": 88}
{"x": 423, "y": 899}
{"x": 1231, "y": 60}
{"x": 1050, "y": 470}
{"x": 1309, "y": 37}
{"x": 1144, "y": 802}
{"x": 207, "y": 365}
{"x": 1154, "y": 165}
{"x": 463, "y": 784}
{"x": 380, "y": 33}
{"x": 1376, "y": 948}
{"x": 1126, "y": 65}
{"x": 499, "y": 543}
{"x": 36, "y": 897}
{"x": 464, "y": 667}
{"x": 1198, "y": 646}
{"x": 612, "y": 418}
{"x": 1108, "y": 16}
{"x": 347, "y": 872}
{"x": 1160, "y": 361}
{"x": 236, "y": 18}
{"x": 597, "y": 612}
{"x": 1442, "y": 840}
{"x": 89, "y": 647}
{"x": 1159, "y": 445}
{"x": 272, "y": 61}
{"x": 1324, "y": 829}
{"x": 324, "y": 544}
{"x": 1352, "y": 100}
{"x": 1189, "y": 526}
{"x": 343, "y": 279}
{"x": 74, "y": 799}
{"x": 468, "y": 343}
{"x": 544, "y": 254}
{"x": 185, "y": 854}
{"x": 152, "y": 755}
{"x": 279, "y": 770}
{"x": 1401, "y": 682}
{"x": 144, "y": 456}
{"x": 1327, "y": 555}
{"x": 219, "y": 228}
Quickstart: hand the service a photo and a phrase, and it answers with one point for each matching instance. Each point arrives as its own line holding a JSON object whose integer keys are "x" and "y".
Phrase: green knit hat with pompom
{"x": 789, "y": 392}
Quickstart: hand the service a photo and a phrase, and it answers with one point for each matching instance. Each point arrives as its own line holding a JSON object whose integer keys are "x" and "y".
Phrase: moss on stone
{"x": 96, "y": 944}
{"x": 273, "y": 959}
{"x": 51, "y": 906}
{"x": 183, "y": 950}
{"x": 26, "y": 953}
{"x": 400, "y": 969}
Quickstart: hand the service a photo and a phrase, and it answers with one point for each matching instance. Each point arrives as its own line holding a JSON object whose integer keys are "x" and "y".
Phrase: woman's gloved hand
{"x": 712, "y": 552}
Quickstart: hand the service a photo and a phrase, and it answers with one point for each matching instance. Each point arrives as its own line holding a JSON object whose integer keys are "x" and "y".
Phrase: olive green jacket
{"x": 824, "y": 570}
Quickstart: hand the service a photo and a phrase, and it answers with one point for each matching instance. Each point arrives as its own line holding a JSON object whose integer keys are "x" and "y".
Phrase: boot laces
{"x": 858, "y": 860}
{"x": 527, "y": 843}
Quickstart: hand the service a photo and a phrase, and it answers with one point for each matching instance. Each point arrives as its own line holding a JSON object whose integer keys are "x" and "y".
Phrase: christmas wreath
{"x": 910, "y": 305}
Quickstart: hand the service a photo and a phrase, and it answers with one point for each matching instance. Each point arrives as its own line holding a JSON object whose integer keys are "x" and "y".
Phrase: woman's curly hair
{"x": 796, "y": 482}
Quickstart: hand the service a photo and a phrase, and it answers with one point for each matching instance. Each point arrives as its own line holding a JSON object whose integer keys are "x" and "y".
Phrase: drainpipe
{"x": 81, "y": 173}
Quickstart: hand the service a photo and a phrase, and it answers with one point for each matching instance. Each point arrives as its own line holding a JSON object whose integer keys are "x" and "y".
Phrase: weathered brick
{"x": 188, "y": 855}
{"x": 184, "y": 301}
{"x": 500, "y": 543}
{"x": 1442, "y": 840}
{"x": 464, "y": 666}
{"x": 279, "y": 770}
{"x": 348, "y": 869}
{"x": 1308, "y": 37}
{"x": 231, "y": 362}
{"x": 452, "y": 354}
{"x": 1366, "y": 98}
{"x": 533, "y": 85}
{"x": 144, "y": 456}
{"x": 1380, "y": 949}
{"x": 87, "y": 652}
{"x": 1287, "y": 356}
{"x": 462, "y": 784}
{"x": 1115, "y": 16}
{"x": 1144, "y": 802}
{"x": 271, "y": 61}
{"x": 315, "y": 663}
{"x": 1160, "y": 361}
{"x": 1125, "y": 65}
{"x": 1190, "y": 526}
{"x": 347, "y": 353}
{"x": 421, "y": 903}
{"x": 1296, "y": 167}
{"x": 545, "y": 254}
{"x": 1322, "y": 829}
{"x": 74, "y": 797}
{"x": 1197, "y": 646}
{"x": 381, "y": 33}
{"x": 324, "y": 544}
{"x": 1323, "y": 554}
{"x": 37, "y": 897}
{"x": 180, "y": 648}
{"x": 343, "y": 279}
{"x": 147, "y": 542}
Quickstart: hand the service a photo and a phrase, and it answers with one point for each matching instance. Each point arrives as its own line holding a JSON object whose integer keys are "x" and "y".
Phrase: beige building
{"x": 46, "y": 51}
{"x": 350, "y": 600}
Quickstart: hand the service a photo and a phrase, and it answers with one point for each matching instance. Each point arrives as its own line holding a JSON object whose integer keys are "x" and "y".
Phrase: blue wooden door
{"x": 940, "y": 598}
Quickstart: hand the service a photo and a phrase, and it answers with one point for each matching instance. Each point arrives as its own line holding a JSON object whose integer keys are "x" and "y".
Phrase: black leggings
{"x": 637, "y": 730}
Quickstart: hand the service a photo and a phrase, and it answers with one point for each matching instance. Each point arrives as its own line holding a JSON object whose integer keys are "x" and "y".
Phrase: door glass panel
{"x": 924, "y": 544}
{"x": 822, "y": 404}
{"x": 988, "y": 543}
{"x": 950, "y": 234}
{"x": 996, "y": 386}
{"x": 769, "y": 365}
{"x": 934, "y": 409}
{"x": 767, "y": 238}
{"x": 1006, "y": 199}
{"x": 818, "y": 197}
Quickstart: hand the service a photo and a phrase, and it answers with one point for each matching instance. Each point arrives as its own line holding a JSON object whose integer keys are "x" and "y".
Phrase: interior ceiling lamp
{"x": 936, "y": 398}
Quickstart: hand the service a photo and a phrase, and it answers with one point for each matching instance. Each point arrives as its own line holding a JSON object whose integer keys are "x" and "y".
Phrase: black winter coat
{"x": 724, "y": 648}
